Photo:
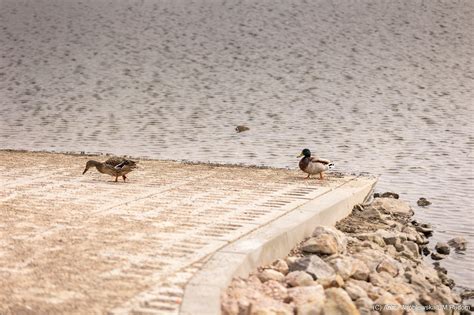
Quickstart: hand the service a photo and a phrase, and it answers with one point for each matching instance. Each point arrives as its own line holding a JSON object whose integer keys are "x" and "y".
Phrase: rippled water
{"x": 377, "y": 86}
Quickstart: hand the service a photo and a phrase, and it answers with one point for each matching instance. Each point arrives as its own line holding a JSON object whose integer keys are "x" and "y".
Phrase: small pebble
{"x": 442, "y": 248}
{"x": 423, "y": 202}
{"x": 241, "y": 128}
{"x": 437, "y": 256}
{"x": 389, "y": 194}
{"x": 459, "y": 243}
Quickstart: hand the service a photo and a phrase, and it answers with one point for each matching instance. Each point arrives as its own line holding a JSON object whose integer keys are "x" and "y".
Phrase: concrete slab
{"x": 268, "y": 243}
{"x": 83, "y": 244}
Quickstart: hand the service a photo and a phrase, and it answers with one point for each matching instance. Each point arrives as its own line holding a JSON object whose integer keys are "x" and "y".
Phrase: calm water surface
{"x": 377, "y": 86}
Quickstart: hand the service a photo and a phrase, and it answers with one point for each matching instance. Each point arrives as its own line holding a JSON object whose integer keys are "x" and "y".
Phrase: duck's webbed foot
{"x": 124, "y": 177}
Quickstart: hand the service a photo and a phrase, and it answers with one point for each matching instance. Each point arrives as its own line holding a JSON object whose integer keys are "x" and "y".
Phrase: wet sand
{"x": 382, "y": 87}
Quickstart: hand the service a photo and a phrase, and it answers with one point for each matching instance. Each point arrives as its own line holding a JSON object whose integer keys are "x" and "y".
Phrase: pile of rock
{"x": 374, "y": 257}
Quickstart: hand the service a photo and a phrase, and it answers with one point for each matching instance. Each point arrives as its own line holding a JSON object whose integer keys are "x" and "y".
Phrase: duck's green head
{"x": 305, "y": 153}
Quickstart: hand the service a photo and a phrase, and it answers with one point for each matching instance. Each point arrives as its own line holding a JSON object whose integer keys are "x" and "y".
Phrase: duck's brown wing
{"x": 114, "y": 161}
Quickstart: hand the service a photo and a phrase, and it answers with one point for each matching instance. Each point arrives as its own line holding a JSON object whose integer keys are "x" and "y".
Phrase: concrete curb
{"x": 274, "y": 240}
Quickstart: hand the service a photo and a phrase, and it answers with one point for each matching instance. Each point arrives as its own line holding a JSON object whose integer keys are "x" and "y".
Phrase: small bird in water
{"x": 313, "y": 165}
{"x": 241, "y": 128}
{"x": 115, "y": 166}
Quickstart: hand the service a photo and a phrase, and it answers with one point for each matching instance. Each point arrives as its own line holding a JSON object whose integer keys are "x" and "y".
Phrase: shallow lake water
{"x": 383, "y": 87}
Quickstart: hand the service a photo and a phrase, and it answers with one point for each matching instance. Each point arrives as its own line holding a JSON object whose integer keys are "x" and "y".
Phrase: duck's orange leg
{"x": 124, "y": 177}
{"x": 307, "y": 177}
{"x": 116, "y": 178}
{"x": 321, "y": 175}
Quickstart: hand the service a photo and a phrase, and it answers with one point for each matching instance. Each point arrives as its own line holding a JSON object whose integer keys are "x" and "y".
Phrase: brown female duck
{"x": 115, "y": 166}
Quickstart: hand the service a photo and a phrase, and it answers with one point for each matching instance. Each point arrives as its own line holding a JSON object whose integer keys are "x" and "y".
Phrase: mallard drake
{"x": 115, "y": 166}
{"x": 313, "y": 165}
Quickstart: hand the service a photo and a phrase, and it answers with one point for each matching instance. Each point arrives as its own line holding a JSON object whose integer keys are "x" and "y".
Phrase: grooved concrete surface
{"x": 83, "y": 244}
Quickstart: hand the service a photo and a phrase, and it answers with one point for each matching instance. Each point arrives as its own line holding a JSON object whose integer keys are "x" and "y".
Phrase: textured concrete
{"x": 269, "y": 242}
{"x": 83, "y": 244}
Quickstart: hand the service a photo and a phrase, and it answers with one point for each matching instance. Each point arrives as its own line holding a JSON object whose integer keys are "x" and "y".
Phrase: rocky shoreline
{"x": 370, "y": 263}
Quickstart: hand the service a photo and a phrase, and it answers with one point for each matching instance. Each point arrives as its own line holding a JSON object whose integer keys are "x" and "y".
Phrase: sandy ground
{"x": 384, "y": 87}
{"x": 83, "y": 244}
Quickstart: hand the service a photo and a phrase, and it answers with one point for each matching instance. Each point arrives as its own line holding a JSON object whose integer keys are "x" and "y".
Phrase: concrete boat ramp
{"x": 166, "y": 242}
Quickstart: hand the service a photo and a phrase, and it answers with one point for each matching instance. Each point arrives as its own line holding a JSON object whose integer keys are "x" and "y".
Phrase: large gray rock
{"x": 340, "y": 238}
{"x": 372, "y": 258}
{"x": 399, "y": 246}
{"x": 369, "y": 244}
{"x": 411, "y": 233}
{"x": 304, "y": 295}
{"x": 366, "y": 286}
{"x": 408, "y": 254}
{"x": 298, "y": 279}
{"x": 360, "y": 270}
{"x": 370, "y": 213}
{"x": 391, "y": 250}
{"x": 422, "y": 240}
{"x": 372, "y": 292}
{"x": 373, "y": 237}
{"x": 392, "y": 206}
{"x": 343, "y": 266}
{"x": 270, "y": 274}
{"x": 313, "y": 265}
{"x": 391, "y": 238}
{"x": 339, "y": 302}
{"x": 355, "y": 291}
{"x": 324, "y": 244}
{"x": 382, "y": 279}
{"x": 394, "y": 225}
{"x": 426, "y": 229}
{"x": 413, "y": 248}
{"x": 388, "y": 265}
